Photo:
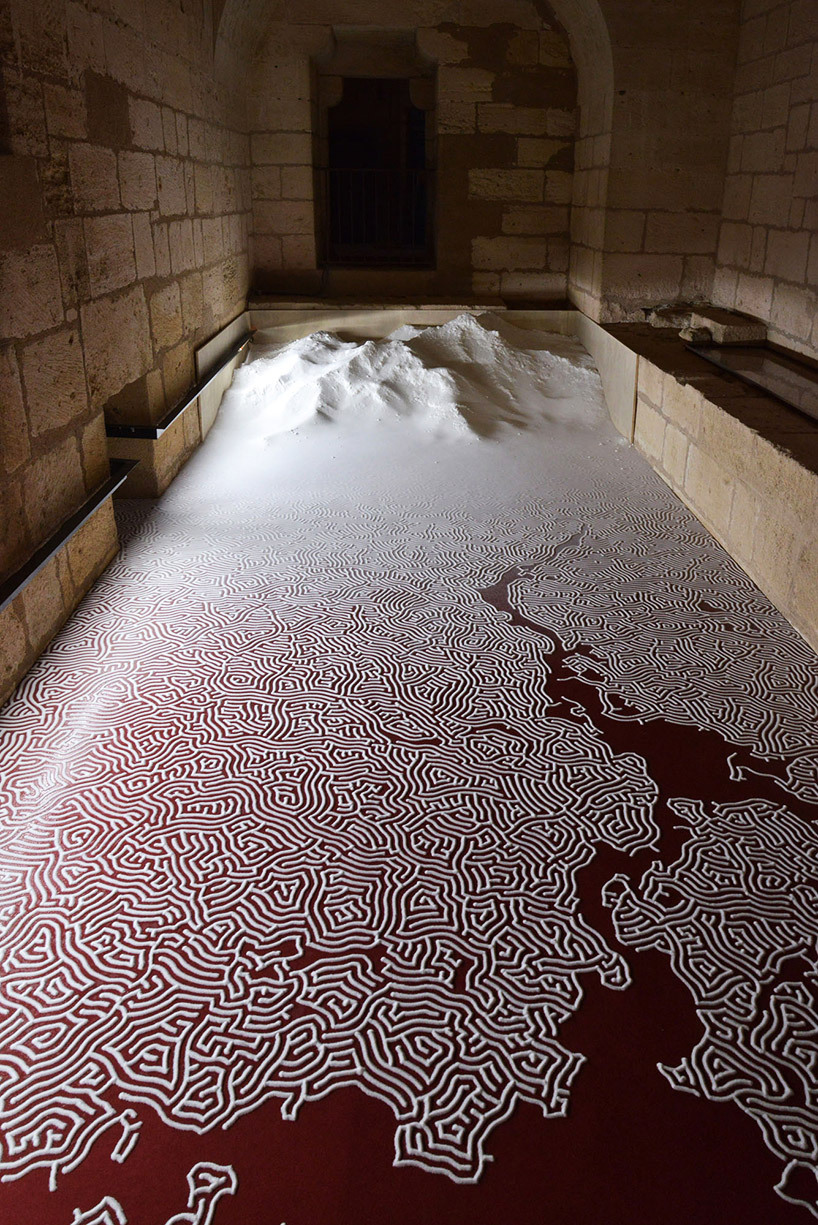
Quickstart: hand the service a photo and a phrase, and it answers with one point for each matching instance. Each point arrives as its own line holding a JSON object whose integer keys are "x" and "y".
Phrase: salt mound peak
{"x": 470, "y": 377}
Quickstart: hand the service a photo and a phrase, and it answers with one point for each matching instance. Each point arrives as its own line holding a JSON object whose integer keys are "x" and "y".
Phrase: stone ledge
{"x": 744, "y": 463}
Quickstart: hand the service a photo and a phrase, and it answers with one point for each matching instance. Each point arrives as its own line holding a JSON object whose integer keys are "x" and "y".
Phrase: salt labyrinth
{"x": 290, "y": 805}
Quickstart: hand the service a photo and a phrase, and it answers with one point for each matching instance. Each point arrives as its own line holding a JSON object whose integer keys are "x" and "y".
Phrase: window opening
{"x": 378, "y": 187}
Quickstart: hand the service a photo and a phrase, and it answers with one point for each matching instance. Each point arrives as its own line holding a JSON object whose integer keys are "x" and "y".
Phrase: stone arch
{"x": 244, "y": 28}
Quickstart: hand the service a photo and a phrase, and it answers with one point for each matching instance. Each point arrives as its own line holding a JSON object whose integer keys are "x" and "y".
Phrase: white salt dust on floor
{"x": 288, "y": 728}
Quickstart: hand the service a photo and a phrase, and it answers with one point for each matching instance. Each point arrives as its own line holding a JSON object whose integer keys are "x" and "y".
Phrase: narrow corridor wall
{"x": 124, "y": 192}
{"x": 768, "y": 242}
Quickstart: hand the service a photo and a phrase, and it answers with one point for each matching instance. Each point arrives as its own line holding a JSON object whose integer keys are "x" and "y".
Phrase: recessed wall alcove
{"x": 375, "y": 144}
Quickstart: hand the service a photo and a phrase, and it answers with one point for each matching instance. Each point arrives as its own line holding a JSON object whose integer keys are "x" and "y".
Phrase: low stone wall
{"x": 32, "y": 619}
{"x": 745, "y": 464}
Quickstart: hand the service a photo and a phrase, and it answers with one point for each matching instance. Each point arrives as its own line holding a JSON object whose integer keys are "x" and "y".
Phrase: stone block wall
{"x": 671, "y": 103}
{"x": 505, "y": 113}
{"x": 748, "y": 469}
{"x": 768, "y": 240}
{"x": 124, "y": 190}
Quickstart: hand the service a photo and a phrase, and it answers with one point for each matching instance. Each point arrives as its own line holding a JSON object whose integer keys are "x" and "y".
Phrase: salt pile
{"x": 467, "y": 378}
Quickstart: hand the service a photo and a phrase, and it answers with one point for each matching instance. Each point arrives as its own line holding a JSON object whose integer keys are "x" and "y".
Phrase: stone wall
{"x": 768, "y": 242}
{"x": 671, "y": 101}
{"x": 505, "y": 106}
{"x": 124, "y": 194}
{"x": 747, "y": 467}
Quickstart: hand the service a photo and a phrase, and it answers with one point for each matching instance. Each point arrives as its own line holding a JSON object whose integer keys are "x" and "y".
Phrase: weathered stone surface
{"x": 507, "y": 185}
{"x": 109, "y": 246}
{"x": 53, "y": 488}
{"x": 21, "y": 207}
{"x": 43, "y": 606}
{"x": 166, "y": 316}
{"x": 94, "y": 178}
{"x": 54, "y": 377}
{"x": 30, "y": 292}
{"x": 137, "y": 180}
{"x": 111, "y": 366}
{"x": 92, "y": 547}
{"x": 14, "y": 444}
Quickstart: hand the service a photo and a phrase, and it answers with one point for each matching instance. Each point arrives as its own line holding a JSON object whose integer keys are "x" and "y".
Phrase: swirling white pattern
{"x": 289, "y": 806}
{"x": 738, "y": 917}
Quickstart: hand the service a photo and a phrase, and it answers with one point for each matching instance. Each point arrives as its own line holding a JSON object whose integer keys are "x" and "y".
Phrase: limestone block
{"x": 170, "y": 182}
{"x": 728, "y": 327}
{"x": 14, "y": 649}
{"x": 522, "y": 185}
{"x": 94, "y": 178}
{"x": 624, "y": 230}
{"x": 509, "y": 254}
{"x": 180, "y": 240}
{"x": 161, "y": 248}
{"x": 743, "y": 517}
{"x": 85, "y": 44}
{"x": 69, "y": 240}
{"x": 65, "y": 112}
{"x": 146, "y": 124}
{"x": 43, "y": 606}
{"x": 25, "y": 129}
{"x": 94, "y": 453}
{"x": 297, "y": 182}
{"x": 177, "y": 372}
{"x": 91, "y": 548}
{"x": 192, "y": 302}
{"x": 682, "y": 404}
{"x": 486, "y": 283}
{"x": 298, "y": 251}
{"x": 169, "y": 134}
{"x": 54, "y": 378}
{"x": 455, "y": 117}
{"x": 203, "y": 179}
{"x": 708, "y": 490}
{"x": 125, "y": 52}
{"x": 143, "y": 245}
{"x": 505, "y": 117}
{"x": 541, "y": 285}
{"x": 212, "y": 240}
{"x": 538, "y": 151}
{"x": 106, "y": 102}
{"x": 776, "y": 545}
{"x": 109, "y": 248}
{"x": 267, "y": 252}
{"x": 793, "y": 311}
{"x": 14, "y": 445}
{"x": 281, "y": 148}
{"x": 644, "y": 278}
{"x": 465, "y": 84}
{"x": 770, "y": 198}
{"x": 560, "y": 122}
{"x": 735, "y": 239}
{"x": 266, "y": 182}
{"x": 649, "y": 434}
{"x": 166, "y": 316}
{"x": 444, "y": 48}
{"x": 688, "y": 233}
{"x": 804, "y": 600}
{"x": 30, "y": 292}
{"x": 674, "y": 454}
{"x": 117, "y": 342}
{"x": 53, "y": 487}
{"x": 558, "y": 186}
{"x": 535, "y": 219}
{"x": 284, "y": 217}
{"x": 137, "y": 180}
{"x": 21, "y": 203}
{"x": 754, "y": 295}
